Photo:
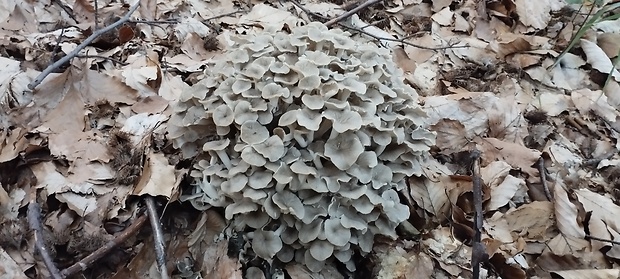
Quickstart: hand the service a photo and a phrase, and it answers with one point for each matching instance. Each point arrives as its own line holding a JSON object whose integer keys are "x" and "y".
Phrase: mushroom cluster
{"x": 305, "y": 138}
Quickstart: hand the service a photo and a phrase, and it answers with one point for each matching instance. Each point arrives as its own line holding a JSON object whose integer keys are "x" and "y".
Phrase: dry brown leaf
{"x": 589, "y": 101}
{"x": 516, "y": 155}
{"x": 589, "y": 273}
{"x": 609, "y": 43}
{"x": 216, "y": 264}
{"x": 158, "y": 178}
{"x": 534, "y": 13}
{"x": 9, "y": 269}
{"x": 433, "y": 195}
{"x": 566, "y": 213}
{"x": 533, "y": 220}
{"x": 299, "y": 271}
{"x": 602, "y": 207}
{"x": 598, "y": 59}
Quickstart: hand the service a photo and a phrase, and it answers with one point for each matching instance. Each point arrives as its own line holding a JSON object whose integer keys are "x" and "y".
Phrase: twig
{"x": 102, "y": 57}
{"x": 402, "y": 41}
{"x": 66, "y": 9}
{"x": 597, "y": 160}
{"x": 79, "y": 48}
{"x": 97, "y": 15}
{"x": 301, "y": 7}
{"x": 351, "y": 12}
{"x": 99, "y": 253}
{"x": 478, "y": 253}
{"x": 543, "y": 177}
{"x": 34, "y": 212}
{"x": 602, "y": 239}
{"x": 158, "y": 237}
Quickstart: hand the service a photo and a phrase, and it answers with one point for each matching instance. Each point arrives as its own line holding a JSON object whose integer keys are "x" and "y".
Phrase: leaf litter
{"x": 90, "y": 140}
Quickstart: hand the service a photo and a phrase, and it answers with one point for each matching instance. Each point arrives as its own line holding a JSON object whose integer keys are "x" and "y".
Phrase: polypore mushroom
{"x": 314, "y": 134}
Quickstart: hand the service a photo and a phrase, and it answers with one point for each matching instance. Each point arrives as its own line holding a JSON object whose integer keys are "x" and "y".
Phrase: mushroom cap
{"x": 272, "y": 148}
{"x": 289, "y": 203}
{"x": 335, "y": 233}
{"x": 260, "y": 180}
{"x": 250, "y": 156}
{"x": 343, "y": 150}
{"x": 223, "y": 115}
{"x": 313, "y": 102}
{"x": 320, "y": 250}
{"x": 235, "y": 183}
{"x": 243, "y": 112}
{"x": 310, "y": 232}
{"x": 266, "y": 244}
{"x": 309, "y": 119}
{"x": 344, "y": 120}
{"x": 216, "y": 145}
{"x": 243, "y": 206}
{"x": 253, "y": 132}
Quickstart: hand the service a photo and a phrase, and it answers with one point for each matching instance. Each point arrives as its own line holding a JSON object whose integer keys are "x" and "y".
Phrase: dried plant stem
{"x": 402, "y": 41}
{"x": 543, "y": 178}
{"x": 158, "y": 237}
{"x": 34, "y": 214}
{"x": 478, "y": 253}
{"x": 99, "y": 253}
{"x": 79, "y": 48}
{"x": 351, "y": 12}
{"x": 602, "y": 239}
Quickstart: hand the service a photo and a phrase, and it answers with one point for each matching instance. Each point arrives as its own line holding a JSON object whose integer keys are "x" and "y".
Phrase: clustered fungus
{"x": 305, "y": 139}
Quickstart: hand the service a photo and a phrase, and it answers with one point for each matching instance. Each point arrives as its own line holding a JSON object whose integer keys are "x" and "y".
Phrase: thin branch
{"x": 351, "y": 12}
{"x": 301, "y": 7}
{"x": 66, "y": 9}
{"x": 79, "y": 48}
{"x": 158, "y": 236}
{"x": 97, "y": 15}
{"x": 169, "y": 21}
{"x": 34, "y": 213}
{"x": 602, "y": 239}
{"x": 478, "y": 253}
{"x": 402, "y": 41}
{"x": 597, "y": 160}
{"x": 101, "y": 252}
{"x": 543, "y": 178}
{"x": 102, "y": 57}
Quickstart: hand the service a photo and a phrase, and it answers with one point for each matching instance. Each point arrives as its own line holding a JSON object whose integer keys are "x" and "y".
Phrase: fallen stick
{"x": 478, "y": 253}
{"x": 543, "y": 177}
{"x": 158, "y": 237}
{"x": 99, "y": 253}
{"x": 34, "y": 214}
{"x": 351, "y": 12}
{"x": 32, "y": 85}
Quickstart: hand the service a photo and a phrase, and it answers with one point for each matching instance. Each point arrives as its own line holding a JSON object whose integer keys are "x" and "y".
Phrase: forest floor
{"x": 82, "y": 152}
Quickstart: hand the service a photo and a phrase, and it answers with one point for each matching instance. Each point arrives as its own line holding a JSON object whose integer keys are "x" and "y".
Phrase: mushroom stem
{"x": 380, "y": 149}
{"x": 333, "y": 134}
{"x": 224, "y": 158}
{"x": 310, "y": 136}
{"x": 300, "y": 140}
{"x": 317, "y": 162}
